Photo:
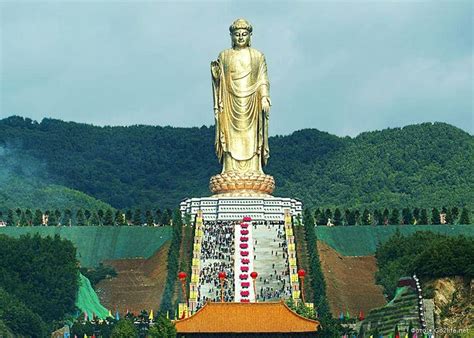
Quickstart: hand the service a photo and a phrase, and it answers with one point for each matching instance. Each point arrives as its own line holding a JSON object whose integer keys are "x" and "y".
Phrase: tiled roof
{"x": 246, "y": 318}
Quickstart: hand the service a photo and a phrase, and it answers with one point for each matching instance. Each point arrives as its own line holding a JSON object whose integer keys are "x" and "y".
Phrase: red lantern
{"x": 244, "y": 239}
{"x": 222, "y": 275}
{"x": 301, "y": 273}
{"x": 244, "y": 225}
{"x": 244, "y": 232}
{"x": 244, "y": 268}
{"x": 245, "y": 300}
{"x": 244, "y": 253}
{"x": 244, "y": 293}
{"x": 244, "y": 245}
{"x": 243, "y": 276}
{"x": 247, "y": 219}
{"x": 254, "y": 275}
{"x": 245, "y": 261}
{"x": 182, "y": 275}
{"x": 245, "y": 285}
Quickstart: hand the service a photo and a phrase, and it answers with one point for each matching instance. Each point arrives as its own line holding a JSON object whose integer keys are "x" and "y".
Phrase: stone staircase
{"x": 269, "y": 250}
{"x": 271, "y": 261}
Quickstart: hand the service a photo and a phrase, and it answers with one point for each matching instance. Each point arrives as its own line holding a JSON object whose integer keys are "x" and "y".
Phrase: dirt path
{"x": 139, "y": 283}
{"x": 350, "y": 281}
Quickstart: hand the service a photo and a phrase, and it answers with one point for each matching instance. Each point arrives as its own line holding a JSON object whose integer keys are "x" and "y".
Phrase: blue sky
{"x": 341, "y": 67}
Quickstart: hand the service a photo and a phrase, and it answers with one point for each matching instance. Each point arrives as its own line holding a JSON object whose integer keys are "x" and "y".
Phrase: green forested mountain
{"x": 24, "y": 183}
{"x": 421, "y": 165}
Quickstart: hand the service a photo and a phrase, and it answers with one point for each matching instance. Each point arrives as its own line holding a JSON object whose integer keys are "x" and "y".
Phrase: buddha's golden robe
{"x": 241, "y": 126}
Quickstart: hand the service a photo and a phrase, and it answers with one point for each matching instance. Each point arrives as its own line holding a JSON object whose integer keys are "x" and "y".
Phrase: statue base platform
{"x": 242, "y": 184}
{"x": 224, "y": 207}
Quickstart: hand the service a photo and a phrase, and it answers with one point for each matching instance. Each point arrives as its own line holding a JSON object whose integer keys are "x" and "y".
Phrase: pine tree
{"x": 120, "y": 218}
{"x": 28, "y": 216}
{"x": 18, "y": 212}
{"x": 378, "y": 218}
{"x": 455, "y": 212}
{"x": 129, "y": 216}
{"x": 158, "y": 216}
{"x": 416, "y": 215}
{"x": 394, "y": 217}
{"x": 435, "y": 219}
{"x": 356, "y": 217}
{"x": 149, "y": 218}
{"x": 385, "y": 215}
{"x": 94, "y": 219}
{"x": 38, "y": 218}
{"x": 109, "y": 217}
{"x": 337, "y": 217}
{"x": 317, "y": 214}
{"x": 423, "y": 217}
{"x": 137, "y": 217}
{"x": 67, "y": 217}
{"x": 80, "y": 218}
{"x": 327, "y": 215}
{"x": 349, "y": 217}
{"x": 365, "y": 220}
{"x": 10, "y": 218}
{"x": 23, "y": 220}
{"x": 407, "y": 217}
{"x": 187, "y": 219}
{"x": 88, "y": 214}
{"x": 52, "y": 220}
{"x": 464, "y": 218}
{"x": 449, "y": 216}
{"x": 166, "y": 217}
{"x": 321, "y": 220}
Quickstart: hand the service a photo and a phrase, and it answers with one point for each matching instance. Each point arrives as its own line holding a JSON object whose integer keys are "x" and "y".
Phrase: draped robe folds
{"x": 241, "y": 139}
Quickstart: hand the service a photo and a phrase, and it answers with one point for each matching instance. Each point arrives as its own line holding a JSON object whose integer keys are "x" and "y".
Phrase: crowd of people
{"x": 217, "y": 255}
{"x": 270, "y": 260}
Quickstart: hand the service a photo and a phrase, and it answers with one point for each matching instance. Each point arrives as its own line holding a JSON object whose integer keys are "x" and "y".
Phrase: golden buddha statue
{"x": 241, "y": 108}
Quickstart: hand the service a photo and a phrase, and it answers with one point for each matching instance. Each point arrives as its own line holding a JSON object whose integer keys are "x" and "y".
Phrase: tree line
{"x": 420, "y": 216}
{"x": 144, "y": 166}
{"x": 81, "y": 217}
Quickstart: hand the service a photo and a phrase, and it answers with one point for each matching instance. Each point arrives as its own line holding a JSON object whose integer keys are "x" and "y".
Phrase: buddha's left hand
{"x": 266, "y": 103}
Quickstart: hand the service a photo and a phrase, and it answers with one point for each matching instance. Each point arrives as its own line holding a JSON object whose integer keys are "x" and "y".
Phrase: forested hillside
{"x": 25, "y": 183}
{"x": 426, "y": 165}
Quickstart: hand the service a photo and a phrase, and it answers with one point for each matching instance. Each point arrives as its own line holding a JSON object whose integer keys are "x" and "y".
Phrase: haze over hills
{"x": 24, "y": 183}
{"x": 421, "y": 165}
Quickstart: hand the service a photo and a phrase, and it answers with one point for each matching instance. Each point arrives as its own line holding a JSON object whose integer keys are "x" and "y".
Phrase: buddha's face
{"x": 241, "y": 38}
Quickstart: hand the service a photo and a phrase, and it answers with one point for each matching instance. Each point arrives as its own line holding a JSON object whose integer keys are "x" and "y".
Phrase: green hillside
{"x": 24, "y": 183}
{"x": 425, "y": 165}
{"x": 95, "y": 244}
{"x": 26, "y": 193}
{"x": 363, "y": 240}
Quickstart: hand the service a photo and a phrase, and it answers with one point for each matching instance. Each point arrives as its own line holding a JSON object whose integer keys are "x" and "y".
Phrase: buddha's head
{"x": 240, "y": 32}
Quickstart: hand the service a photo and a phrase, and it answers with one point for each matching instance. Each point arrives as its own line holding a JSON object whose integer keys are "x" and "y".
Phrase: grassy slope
{"x": 363, "y": 240}
{"x": 95, "y": 244}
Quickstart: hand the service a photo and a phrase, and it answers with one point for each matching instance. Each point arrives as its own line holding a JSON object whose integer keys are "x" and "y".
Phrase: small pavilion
{"x": 270, "y": 319}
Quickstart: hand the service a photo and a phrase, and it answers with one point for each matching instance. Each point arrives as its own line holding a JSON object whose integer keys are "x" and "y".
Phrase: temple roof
{"x": 269, "y": 317}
